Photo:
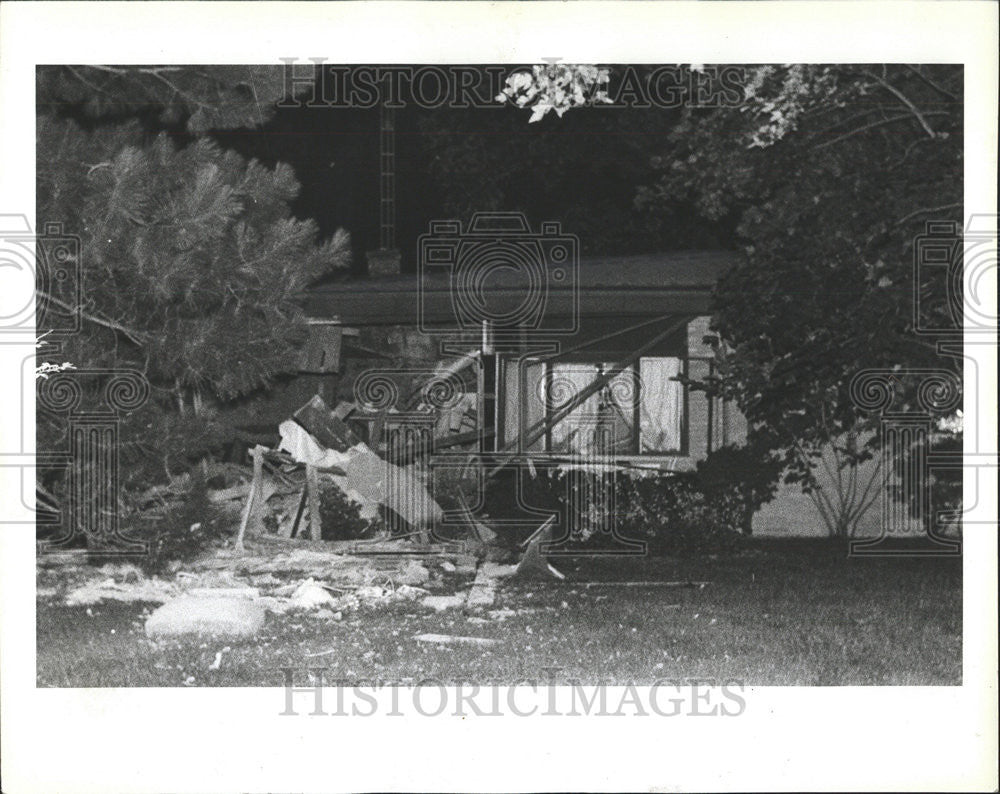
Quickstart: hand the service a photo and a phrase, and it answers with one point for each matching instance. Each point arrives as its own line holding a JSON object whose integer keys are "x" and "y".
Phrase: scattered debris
{"x": 370, "y": 593}
{"x": 413, "y": 573}
{"x": 218, "y": 658}
{"x": 407, "y": 592}
{"x": 220, "y": 617}
{"x": 449, "y": 639}
{"x": 483, "y": 592}
{"x": 327, "y": 652}
{"x": 533, "y": 562}
{"x": 155, "y": 591}
{"x": 465, "y": 565}
{"x": 441, "y": 603}
{"x": 310, "y": 595}
{"x": 495, "y": 570}
{"x": 224, "y": 592}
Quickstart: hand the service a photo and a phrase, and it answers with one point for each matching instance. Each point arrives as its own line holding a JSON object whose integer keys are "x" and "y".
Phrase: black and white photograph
{"x": 515, "y": 386}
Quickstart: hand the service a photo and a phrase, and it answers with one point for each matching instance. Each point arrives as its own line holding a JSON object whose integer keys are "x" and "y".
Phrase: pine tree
{"x": 191, "y": 263}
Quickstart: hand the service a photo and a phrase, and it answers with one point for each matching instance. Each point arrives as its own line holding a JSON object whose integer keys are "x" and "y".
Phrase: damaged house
{"x": 510, "y": 351}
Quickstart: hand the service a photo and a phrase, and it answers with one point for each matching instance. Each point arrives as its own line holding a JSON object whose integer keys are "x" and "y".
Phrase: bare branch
{"x": 927, "y": 211}
{"x": 936, "y": 86}
{"x": 906, "y": 101}
{"x": 874, "y": 124}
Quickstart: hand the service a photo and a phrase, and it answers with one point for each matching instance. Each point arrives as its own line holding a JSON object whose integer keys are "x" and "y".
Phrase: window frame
{"x": 635, "y": 447}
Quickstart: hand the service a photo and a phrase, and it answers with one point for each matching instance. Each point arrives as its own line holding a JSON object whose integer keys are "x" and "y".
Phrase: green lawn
{"x": 777, "y": 613}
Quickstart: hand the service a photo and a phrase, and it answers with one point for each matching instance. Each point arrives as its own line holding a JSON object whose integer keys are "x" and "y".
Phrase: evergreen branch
{"x": 137, "y": 337}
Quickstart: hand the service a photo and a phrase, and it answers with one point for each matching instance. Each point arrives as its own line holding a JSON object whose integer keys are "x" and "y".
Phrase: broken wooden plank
{"x": 323, "y": 425}
{"x": 312, "y": 489}
{"x": 298, "y": 514}
{"x": 255, "y": 495}
{"x": 321, "y": 354}
{"x": 450, "y": 639}
{"x": 533, "y": 560}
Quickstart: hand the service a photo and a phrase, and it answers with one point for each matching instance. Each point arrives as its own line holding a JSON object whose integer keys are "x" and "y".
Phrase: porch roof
{"x": 630, "y": 286}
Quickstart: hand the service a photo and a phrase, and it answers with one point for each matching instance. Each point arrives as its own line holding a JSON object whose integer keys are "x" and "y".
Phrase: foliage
{"x": 45, "y": 368}
{"x": 190, "y": 259}
{"x": 832, "y": 172}
{"x": 675, "y": 513}
{"x": 198, "y": 99}
{"x": 184, "y": 528}
{"x": 557, "y": 87}
{"x": 746, "y": 477}
{"x": 340, "y": 517}
{"x": 675, "y": 516}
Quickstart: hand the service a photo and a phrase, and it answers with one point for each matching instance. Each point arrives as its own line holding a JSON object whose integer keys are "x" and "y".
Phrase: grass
{"x": 777, "y": 613}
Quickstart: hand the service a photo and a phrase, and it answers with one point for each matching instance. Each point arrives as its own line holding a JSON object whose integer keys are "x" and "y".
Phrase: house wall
{"x": 711, "y": 423}
{"x": 791, "y": 512}
{"x": 794, "y": 513}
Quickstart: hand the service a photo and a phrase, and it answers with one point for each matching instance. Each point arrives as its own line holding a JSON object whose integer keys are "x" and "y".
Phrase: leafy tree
{"x": 191, "y": 260}
{"x": 832, "y": 172}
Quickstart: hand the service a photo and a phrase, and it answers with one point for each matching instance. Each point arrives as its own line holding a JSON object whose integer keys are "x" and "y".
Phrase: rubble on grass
{"x": 155, "y": 591}
{"x": 216, "y": 617}
{"x": 441, "y": 603}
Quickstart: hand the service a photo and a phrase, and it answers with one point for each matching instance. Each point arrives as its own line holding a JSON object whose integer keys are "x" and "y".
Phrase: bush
{"x": 675, "y": 516}
{"x": 340, "y": 517}
{"x": 704, "y": 510}
{"x": 186, "y": 527}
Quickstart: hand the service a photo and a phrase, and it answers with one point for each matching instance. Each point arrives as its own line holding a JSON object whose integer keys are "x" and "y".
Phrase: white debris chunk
{"x": 310, "y": 595}
{"x": 441, "y": 603}
{"x": 220, "y": 617}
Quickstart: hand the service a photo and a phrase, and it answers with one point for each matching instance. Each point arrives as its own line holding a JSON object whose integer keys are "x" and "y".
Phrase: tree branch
{"x": 936, "y": 86}
{"x": 927, "y": 210}
{"x": 874, "y": 124}
{"x": 906, "y": 101}
{"x": 137, "y": 337}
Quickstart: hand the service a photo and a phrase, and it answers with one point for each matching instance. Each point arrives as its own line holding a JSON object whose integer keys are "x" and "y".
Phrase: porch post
{"x": 488, "y": 392}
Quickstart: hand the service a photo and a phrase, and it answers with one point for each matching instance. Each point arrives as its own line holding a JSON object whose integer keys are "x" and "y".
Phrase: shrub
{"x": 674, "y": 516}
{"x": 184, "y": 528}
{"x": 340, "y": 517}
{"x": 675, "y": 513}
